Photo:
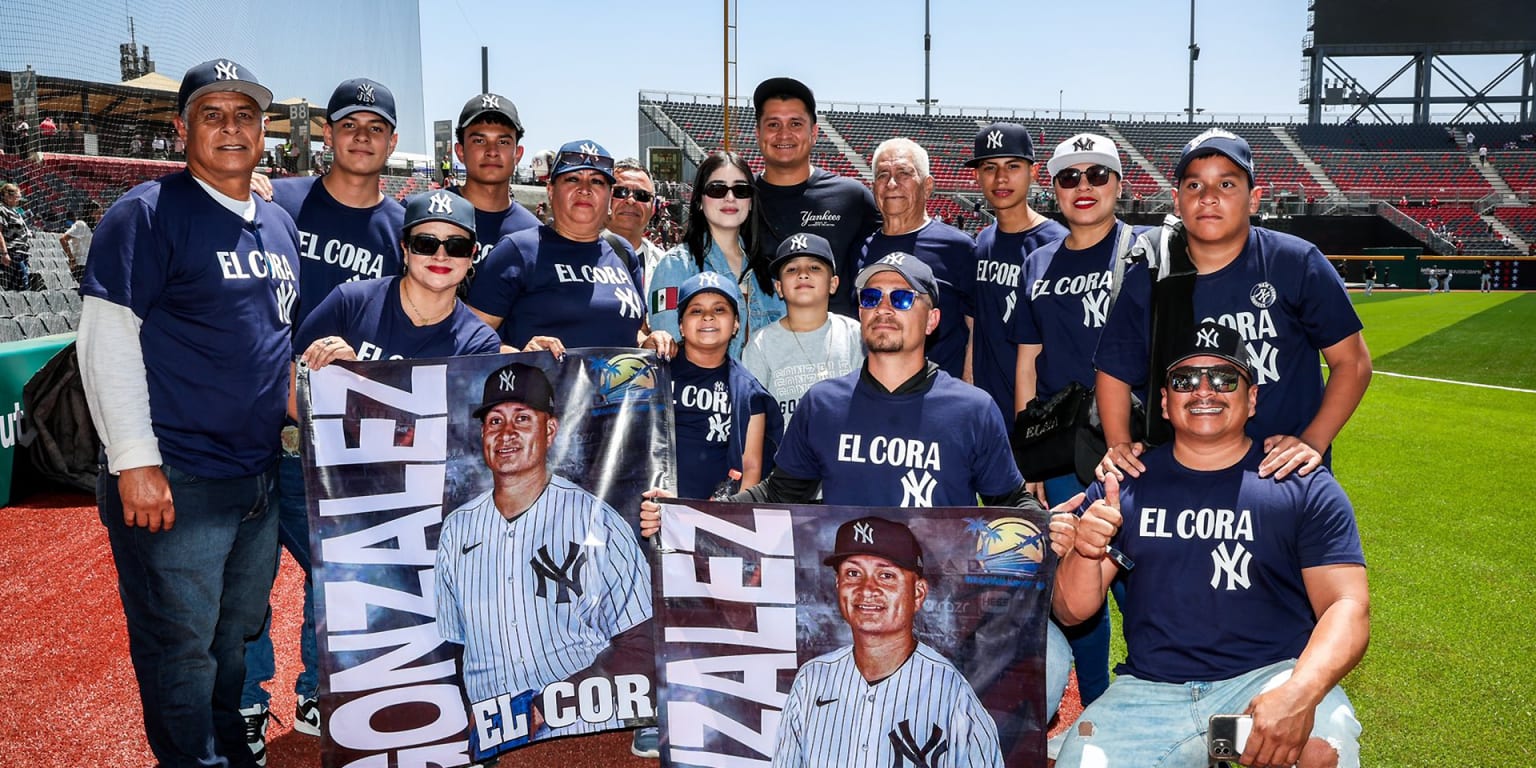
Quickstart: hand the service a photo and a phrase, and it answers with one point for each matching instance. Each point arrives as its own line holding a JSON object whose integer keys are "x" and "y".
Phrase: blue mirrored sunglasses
{"x": 901, "y": 298}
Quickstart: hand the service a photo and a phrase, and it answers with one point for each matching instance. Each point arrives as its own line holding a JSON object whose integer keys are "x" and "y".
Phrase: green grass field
{"x": 1435, "y": 473}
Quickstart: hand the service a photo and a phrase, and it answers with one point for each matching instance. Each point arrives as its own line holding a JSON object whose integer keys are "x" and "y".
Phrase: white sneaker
{"x": 306, "y": 716}
{"x": 256, "y": 731}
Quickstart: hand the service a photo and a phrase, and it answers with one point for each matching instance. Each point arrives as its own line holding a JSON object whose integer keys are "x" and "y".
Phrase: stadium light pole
{"x": 1194, "y": 54}
{"x": 927, "y": 61}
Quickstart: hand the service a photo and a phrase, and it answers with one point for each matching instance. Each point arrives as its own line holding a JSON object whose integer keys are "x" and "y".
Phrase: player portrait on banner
{"x": 465, "y": 510}
{"x": 810, "y": 636}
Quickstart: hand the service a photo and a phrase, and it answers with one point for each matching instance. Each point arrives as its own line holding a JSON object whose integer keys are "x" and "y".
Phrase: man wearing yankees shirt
{"x": 887, "y": 699}
{"x": 1243, "y": 593}
{"x": 539, "y": 580}
{"x": 488, "y": 133}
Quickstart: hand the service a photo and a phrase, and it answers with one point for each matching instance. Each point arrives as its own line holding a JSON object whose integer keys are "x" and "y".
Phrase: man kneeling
{"x": 1243, "y": 594}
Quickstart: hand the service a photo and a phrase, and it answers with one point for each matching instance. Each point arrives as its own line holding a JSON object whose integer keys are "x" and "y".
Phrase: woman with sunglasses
{"x": 418, "y": 313}
{"x": 720, "y": 237}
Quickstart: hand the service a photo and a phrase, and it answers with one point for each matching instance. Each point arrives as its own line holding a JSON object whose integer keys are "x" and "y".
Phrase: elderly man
{"x": 1243, "y": 594}
{"x": 902, "y": 187}
{"x": 184, "y": 348}
{"x": 792, "y": 195}
{"x": 539, "y": 580}
{"x": 633, "y": 206}
{"x": 887, "y": 699}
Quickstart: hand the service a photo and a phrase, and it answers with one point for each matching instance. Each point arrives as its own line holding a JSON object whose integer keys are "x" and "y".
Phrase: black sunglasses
{"x": 901, "y": 298}
{"x": 427, "y": 245}
{"x": 717, "y": 190}
{"x": 641, "y": 196}
{"x": 565, "y": 160}
{"x": 1098, "y": 176}
{"x": 1223, "y": 378}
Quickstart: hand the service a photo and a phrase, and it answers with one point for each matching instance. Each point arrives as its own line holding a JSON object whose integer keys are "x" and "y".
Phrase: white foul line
{"x": 1452, "y": 381}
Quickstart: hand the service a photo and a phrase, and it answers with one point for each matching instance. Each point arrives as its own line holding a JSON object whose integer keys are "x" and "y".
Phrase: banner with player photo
{"x": 412, "y": 468}
{"x": 764, "y": 650}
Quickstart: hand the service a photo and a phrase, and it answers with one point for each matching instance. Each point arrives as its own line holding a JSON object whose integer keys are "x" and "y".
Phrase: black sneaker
{"x": 306, "y": 716}
{"x": 256, "y": 731}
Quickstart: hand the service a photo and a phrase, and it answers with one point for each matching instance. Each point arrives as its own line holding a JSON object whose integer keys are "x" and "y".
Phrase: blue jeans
{"x": 1089, "y": 640}
{"x": 192, "y": 595}
{"x": 1162, "y": 725}
{"x": 293, "y": 535}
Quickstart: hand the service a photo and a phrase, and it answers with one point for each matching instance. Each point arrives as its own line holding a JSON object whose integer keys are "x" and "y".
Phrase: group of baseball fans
{"x": 806, "y": 319}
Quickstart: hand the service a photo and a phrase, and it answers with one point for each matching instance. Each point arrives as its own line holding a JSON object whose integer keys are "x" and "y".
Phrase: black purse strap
{"x": 1172, "y": 322}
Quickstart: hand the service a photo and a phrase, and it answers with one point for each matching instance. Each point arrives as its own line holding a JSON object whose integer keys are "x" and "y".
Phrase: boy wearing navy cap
{"x": 488, "y": 132}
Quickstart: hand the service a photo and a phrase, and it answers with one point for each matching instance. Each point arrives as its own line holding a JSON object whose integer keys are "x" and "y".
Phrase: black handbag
{"x": 1045, "y": 433}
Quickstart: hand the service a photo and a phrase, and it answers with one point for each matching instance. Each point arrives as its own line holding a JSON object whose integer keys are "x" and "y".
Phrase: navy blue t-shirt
{"x": 1064, "y": 304}
{"x": 368, "y": 315}
{"x": 836, "y": 207}
{"x": 950, "y": 253}
{"x": 935, "y": 448}
{"x": 999, "y": 263}
{"x": 542, "y": 284}
{"x": 216, "y": 296}
{"x": 1217, "y": 589}
{"x": 1285, "y": 299}
{"x": 338, "y": 242}
{"x": 710, "y": 432}
{"x": 491, "y": 226}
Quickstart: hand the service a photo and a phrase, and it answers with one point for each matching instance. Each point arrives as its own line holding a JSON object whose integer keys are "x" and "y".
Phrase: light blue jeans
{"x": 1142, "y": 724}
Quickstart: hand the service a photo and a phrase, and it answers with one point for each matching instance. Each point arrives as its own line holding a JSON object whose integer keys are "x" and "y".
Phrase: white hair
{"x": 902, "y": 144}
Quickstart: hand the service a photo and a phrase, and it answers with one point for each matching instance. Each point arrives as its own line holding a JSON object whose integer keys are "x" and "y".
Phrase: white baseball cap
{"x": 1085, "y": 148}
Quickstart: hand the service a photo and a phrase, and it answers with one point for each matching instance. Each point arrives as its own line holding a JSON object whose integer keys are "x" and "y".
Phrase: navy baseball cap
{"x": 912, "y": 269}
{"x": 783, "y": 88}
{"x": 801, "y": 244}
{"x": 1216, "y": 340}
{"x": 879, "y": 537}
{"x": 580, "y": 156}
{"x": 1002, "y": 140}
{"x": 1217, "y": 142}
{"x": 361, "y": 95}
{"x": 709, "y": 282}
{"x": 489, "y": 104}
{"x": 217, "y": 76}
{"x": 440, "y": 205}
{"x": 517, "y": 383}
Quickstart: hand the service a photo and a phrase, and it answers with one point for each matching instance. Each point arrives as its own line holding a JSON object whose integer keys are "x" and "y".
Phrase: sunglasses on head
{"x": 566, "y": 159}
{"x": 1098, "y": 176}
{"x": 427, "y": 245}
{"x": 1223, "y": 378}
{"x": 641, "y": 196}
{"x": 717, "y": 190}
{"x": 901, "y": 298}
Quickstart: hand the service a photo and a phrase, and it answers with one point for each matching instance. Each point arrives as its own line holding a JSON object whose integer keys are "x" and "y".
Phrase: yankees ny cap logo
{"x": 894, "y": 259}
{"x": 1083, "y": 144}
{"x": 864, "y": 533}
{"x": 589, "y": 150}
{"x": 1206, "y": 339}
{"x": 995, "y": 140}
{"x": 709, "y": 279}
{"x": 226, "y": 70}
{"x": 440, "y": 203}
{"x": 365, "y": 93}
{"x": 799, "y": 242}
{"x": 1213, "y": 133}
{"x": 508, "y": 381}
{"x": 490, "y": 101}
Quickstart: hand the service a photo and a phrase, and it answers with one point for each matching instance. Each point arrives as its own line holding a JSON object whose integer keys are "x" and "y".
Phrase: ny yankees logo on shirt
{"x": 909, "y": 752}
{"x": 1225, "y": 526}
{"x": 566, "y": 575}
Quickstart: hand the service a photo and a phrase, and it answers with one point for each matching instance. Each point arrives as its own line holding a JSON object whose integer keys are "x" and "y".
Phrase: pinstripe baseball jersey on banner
{"x": 925, "y": 715}
{"x": 534, "y": 600}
